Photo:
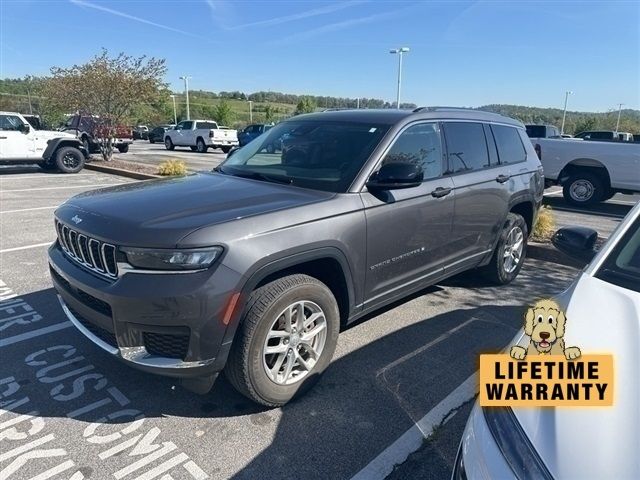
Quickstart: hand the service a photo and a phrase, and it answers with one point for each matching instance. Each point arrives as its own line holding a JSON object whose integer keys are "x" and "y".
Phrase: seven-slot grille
{"x": 97, "y": 256}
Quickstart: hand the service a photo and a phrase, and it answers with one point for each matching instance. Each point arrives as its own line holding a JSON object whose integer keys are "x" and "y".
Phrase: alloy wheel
{"x": 294, "y": 343}
{"x": 513, "y": 248}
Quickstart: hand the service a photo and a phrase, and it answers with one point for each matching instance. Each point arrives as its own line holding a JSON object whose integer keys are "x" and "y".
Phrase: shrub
{"x": 545, "y": 226}
{"x": 172, "y": 168}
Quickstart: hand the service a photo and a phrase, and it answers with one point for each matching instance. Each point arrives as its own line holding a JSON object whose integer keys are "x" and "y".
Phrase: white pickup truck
{"x": 200, "y": 135}
{"x": 589, "y": 171}
{"x": 20, "y": 142}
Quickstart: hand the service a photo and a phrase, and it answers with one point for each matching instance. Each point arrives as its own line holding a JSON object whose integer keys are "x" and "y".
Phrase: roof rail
{"x": 437, "y": 109}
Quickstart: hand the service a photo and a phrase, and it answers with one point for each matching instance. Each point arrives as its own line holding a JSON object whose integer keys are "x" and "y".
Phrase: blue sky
{"x": 466, "y": 53}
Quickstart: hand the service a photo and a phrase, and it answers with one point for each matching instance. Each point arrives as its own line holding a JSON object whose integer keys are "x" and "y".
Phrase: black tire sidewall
{"x": 62, "y": 152}
{"x": 263, "y": 386}
{"x": 168, "y": 144}
{"x": 200, "y": 146}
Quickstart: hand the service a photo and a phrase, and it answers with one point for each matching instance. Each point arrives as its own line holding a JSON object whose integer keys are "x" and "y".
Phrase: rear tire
{"x": 151, "y": 140}
{"x": 510, "y": 252}
{"x": 69, "y": 160}
{"x": 225, "y": 149}
{"x": 273, "y": 379}
{"x": 584, "y": 188}
{"x": 194, "y": 149}
{"x": 123, "y": 148}
{"x": 168, "y": 144}
{"x": 201, "y": 147}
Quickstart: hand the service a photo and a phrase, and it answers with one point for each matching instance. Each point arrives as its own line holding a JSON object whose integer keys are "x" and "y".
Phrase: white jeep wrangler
{"x": 21, "y": 143}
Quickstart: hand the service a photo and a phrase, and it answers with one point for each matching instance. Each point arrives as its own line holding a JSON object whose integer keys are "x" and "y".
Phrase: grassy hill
{"x": 22, "y": 95}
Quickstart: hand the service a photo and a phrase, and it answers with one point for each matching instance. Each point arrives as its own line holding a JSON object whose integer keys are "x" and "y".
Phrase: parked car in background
{"x": 589, "y": 172}
{"x": 86, "y": 128}
{"x": 253, "y": 267}
{"x": 200, "y": 135}
{"x": 542, "y": 131}
{"x": 570, "y": 443}
{"x": 20, "y": 142}
{"x": 605, "y": 135}
{"x": 141, "y": 132}
{"x": 157, "y": 134}
{"x": 252, "y": 131}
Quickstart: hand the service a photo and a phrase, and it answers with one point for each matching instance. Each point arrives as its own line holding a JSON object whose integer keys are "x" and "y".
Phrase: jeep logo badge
{"x": 76, "y": 219}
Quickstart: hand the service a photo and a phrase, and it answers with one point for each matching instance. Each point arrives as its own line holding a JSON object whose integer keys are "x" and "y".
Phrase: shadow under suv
{"x": 254, "y": 267}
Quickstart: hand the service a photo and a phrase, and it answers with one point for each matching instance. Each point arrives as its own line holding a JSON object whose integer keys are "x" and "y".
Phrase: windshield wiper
{"x": 259, "y": 176}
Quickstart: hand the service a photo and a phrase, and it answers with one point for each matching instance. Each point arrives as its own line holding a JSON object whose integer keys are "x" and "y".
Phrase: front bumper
{"x": 167, "y": 324}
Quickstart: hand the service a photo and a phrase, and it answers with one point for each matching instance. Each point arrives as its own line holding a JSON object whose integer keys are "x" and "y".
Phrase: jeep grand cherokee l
{"x": 254, "y": 267}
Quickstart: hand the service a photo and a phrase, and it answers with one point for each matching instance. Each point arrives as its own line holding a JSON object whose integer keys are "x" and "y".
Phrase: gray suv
{"x": 253, "y": 268}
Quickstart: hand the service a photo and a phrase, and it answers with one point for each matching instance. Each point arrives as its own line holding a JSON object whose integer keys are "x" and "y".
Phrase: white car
{"x": 589, "y": 171}
{"x": 200, "y": 135}
{"x": 603, "y": 314}
{"x": 20, "y": 142}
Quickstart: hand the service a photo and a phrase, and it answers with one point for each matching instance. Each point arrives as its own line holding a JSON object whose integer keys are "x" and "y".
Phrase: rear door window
{"x": 510, "y": 147}
{"x": 419, "y": 145}
{"x": 466, "y": 147}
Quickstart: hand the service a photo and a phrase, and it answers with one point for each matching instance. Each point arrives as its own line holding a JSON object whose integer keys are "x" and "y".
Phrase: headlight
{"x": 178, "y": 259}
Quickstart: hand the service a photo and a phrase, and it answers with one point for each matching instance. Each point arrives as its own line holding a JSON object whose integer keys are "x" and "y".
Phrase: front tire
{"x": 123, "y": 148}
{"x": 510, "y": 252}
{"x": 69, "y": 160}
{"x": 584, "y": 188}
{"x": 286, "y": 340}
{"x": 168, "y": 144}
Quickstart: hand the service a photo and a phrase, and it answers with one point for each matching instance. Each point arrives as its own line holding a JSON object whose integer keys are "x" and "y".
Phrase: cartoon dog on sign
{"x": 544, "y": 323}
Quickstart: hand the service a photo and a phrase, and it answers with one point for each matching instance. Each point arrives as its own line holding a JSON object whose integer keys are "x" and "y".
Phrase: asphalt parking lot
{"x": 72, "y": 411}
{"x": 153, "y": 154}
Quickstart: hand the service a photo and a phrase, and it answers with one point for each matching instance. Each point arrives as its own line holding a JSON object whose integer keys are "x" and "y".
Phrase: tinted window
{"x": 536, "y": 131}
{"x": 491, "y": 144}
{"x": 622, "y": 265}
{"x": 206, "y": 125}
{"x": 10, "y": 122}
{"x": 510, "y": 148}
{"x": 466, "y": 146}
{"x": 187, "y": 125}
{"x": 418, "y": 145}
{"x": 315, "y": 154}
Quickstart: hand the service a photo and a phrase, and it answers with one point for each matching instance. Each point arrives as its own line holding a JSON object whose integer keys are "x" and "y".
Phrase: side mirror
{"x": 25, "y": 128}
{"x": 393, "y": 176}
{"x": 577, "y": 242}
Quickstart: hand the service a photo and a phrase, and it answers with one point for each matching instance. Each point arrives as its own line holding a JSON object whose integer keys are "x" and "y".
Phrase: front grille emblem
{"x": 76, "y": 219}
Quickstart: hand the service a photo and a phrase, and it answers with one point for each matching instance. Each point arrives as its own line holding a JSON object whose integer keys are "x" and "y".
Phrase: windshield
{"x": 622, "y": 266}
{"x": 315, "y": 154}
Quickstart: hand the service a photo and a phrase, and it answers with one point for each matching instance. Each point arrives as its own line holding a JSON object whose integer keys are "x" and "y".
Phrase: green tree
{"x": 110, "y": 88}
{"x": 588, "y": 123}
{"x": 223, "y": 114}
{"x": 306, "y": 105}
{"x": 268, "y": 113}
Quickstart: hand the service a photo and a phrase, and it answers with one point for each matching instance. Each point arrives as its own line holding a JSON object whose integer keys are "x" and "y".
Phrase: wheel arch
{"x": 56, "y": 143}
{"x": 584, "y": 164}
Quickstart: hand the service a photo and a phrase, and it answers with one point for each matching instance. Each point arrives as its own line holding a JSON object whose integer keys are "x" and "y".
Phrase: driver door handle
{"x": 502, "y": 178}
{"x": 440, "y": 192}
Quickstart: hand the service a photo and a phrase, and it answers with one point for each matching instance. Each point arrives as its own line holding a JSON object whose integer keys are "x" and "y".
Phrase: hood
{"x": 158, "y": 213}
{"x": 596, "y": 442}
{"x": 49, "y": 134}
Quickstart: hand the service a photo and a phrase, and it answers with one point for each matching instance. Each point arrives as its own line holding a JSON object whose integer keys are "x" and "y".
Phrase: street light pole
{"x": 186, "y": 93}
{"x": 400, "y": 51}
{"x": 564, "y": 114}
{"x": 175, "y": 114}
{"x": 619, "y": 112}
{"x": 250, "y": 111}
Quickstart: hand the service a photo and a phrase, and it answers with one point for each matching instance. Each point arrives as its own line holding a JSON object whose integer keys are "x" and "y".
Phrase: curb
{"x": 121, "y": 172}
{"x": 548, "y": 253}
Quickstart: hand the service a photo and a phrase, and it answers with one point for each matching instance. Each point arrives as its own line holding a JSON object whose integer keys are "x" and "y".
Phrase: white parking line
{"x": 26, "y": 247}
{"x": 61, "y": 188}
{"x": 412, "y": 439}
{"x": 45, "y": 175}
{"x": 29, "y": 209}
{"x": 34, "y": 333}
